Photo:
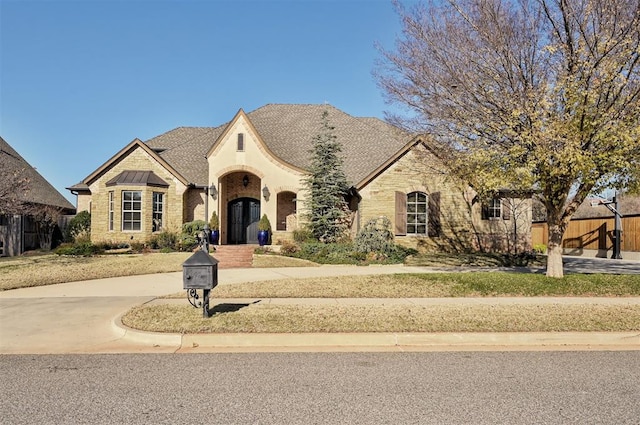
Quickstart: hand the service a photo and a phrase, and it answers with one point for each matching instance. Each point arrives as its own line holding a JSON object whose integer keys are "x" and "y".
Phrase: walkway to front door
{"x": 242, "y": 225}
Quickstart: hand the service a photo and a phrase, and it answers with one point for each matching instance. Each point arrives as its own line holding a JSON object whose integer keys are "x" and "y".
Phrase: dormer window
{"x": 240, "y": 142}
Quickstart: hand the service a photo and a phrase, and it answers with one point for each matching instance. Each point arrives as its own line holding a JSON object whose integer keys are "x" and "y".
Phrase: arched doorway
{"x": 242, "y": 224}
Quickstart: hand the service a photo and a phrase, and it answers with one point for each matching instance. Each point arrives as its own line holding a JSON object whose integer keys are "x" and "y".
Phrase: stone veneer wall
{"x": 460, "y": 217}
{"x": 83, "y": 202}
{"x": 173, "y": 201}
{"x": 194, "y": 205}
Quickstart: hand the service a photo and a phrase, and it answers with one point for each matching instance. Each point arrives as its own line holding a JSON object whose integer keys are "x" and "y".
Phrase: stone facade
{"x": 173, "y": 195}
{"x": 229, "y": 163}
{"x": 455, "y": 221}
{"x": 232, "y": 170}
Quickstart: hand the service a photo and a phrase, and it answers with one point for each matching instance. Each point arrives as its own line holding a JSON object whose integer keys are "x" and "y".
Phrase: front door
{"x": 242, "y": 226}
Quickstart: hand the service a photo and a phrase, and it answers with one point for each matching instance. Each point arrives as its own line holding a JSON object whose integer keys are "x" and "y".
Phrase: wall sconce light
{"x": 245, "y": 181}
{"x": 265, "y": 192}
{"x": 213, "y": 191}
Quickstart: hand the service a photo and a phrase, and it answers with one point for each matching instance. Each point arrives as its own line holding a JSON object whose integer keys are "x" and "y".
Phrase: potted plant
{"x": 264, "y": 230}
{"x": 214, "y": 225}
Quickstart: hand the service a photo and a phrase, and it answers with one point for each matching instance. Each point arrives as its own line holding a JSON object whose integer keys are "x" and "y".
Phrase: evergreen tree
{"x": 327, "y": 187}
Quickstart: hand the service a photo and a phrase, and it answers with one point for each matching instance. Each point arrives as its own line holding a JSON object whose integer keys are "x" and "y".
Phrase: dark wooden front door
{"x": 242, "y": 226}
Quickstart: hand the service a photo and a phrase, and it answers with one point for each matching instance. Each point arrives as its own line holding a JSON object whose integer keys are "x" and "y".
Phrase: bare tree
{"x": 14, "y": 185}
{"x": 46, "y": 218}
{"x": 525, "y": 94}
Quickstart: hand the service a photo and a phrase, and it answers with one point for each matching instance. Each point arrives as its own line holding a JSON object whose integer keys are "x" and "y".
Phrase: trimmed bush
{"x": 78, "y": 225}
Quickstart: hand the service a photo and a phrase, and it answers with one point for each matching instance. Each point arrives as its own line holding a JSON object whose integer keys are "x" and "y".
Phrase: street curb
{"x": 382, "y": 340}
{"x": 156, "y": 339}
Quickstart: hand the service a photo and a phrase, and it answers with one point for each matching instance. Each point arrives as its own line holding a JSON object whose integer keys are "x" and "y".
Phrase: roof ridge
{"x": 294, "y": 104}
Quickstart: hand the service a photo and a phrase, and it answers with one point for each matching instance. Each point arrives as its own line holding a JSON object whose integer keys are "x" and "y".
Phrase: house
{"x": 590, "y": 232}
{"x": 255, "y": 164}
{"x": 18, "y": 228}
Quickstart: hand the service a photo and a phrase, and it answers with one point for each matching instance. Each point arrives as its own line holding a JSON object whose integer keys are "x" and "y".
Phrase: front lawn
{"x": 425, "y": 285}
{"x": 48, "y": 269}
{"x": 376, "y": 318}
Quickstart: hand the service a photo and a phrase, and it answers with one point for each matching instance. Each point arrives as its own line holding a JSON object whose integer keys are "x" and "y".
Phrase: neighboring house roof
{"x": 627, "y": 206}
{"x": 288, "y": 130}
{"x": 40, "y": 191}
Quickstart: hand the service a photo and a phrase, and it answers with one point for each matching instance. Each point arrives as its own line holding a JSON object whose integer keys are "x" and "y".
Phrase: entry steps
{"x": 234, "y": 256}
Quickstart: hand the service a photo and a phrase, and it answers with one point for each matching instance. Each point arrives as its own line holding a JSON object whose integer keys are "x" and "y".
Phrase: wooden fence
{"x": 592, "y": 233}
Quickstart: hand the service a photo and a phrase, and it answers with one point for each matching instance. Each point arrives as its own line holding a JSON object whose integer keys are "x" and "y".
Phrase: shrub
{"x": 302, "y": 235}
{"x": 264, "y": 224}
{"x": 376, "y": 236}
{"x": 540, "y": 248}
{"x": 214, "y": 222}
{"x": 187, "y": 242}
{"x": 78, "y": 225}
{"x": 193, "y": 227}
{"x": 82, "y": 237}
{"x": 288, "y": 248}
{"x": 137, "y": 246}
{"x": 165, "y": 239}
{"x": 190, "y": 230}
{"x": 84, "y": 249}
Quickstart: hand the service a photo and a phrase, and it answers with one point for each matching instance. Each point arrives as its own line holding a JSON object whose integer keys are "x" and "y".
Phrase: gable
{"x": 241, "y": 145}
{"x": 137, "y": 156}
{"x": 425, "y": 160}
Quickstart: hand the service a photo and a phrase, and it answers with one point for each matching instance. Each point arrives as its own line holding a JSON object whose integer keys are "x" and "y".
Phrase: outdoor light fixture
{"x": 213, "y": 191}
{"x": 245, "y": 181}
{"x": 265, "y": 192}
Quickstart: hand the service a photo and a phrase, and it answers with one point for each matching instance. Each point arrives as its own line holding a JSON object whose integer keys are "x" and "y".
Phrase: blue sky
{"x": 80, "y": 79}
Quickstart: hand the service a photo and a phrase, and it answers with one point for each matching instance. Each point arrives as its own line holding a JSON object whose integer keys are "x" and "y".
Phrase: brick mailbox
{"x": 200, "y": 271}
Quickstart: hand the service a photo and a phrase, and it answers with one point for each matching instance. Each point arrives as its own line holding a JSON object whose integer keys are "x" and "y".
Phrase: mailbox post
{"x": 200, "y": 271}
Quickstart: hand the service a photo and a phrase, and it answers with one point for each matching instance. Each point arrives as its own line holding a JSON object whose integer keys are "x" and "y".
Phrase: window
{"x": 240, "y": 142}
{"x": 111, "y": 211}
{"x": 158, "y": 208}
{"x": 492, "y": 209}
{"x": 417, "y": 207}
{"x": 131, "y": 210}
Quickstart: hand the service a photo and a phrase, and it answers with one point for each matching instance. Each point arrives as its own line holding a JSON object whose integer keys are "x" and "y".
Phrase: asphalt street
{"x": 316, "y": 388}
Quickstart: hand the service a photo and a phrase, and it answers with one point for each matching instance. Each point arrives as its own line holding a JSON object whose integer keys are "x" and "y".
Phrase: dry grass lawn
{"x": 299, "y": 319}
{"x": 430, "y": 285}
{"x": 38, "y": 270}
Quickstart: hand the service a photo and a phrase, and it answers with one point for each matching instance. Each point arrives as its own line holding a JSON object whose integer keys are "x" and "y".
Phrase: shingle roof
{"x": 627, "y": 205}
{"x": 185, "y": 148}
{"x": 287, "y": 130}
{"x": 41, "y": 191}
